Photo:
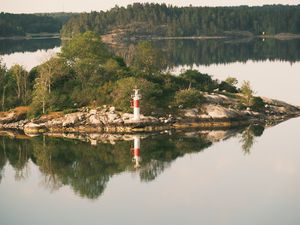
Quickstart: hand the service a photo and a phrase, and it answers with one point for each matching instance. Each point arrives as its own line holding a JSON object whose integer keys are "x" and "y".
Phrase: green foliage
{"x": 147, "y": 58}
{"x": 4, "y": 84}
{"x": 49, "y": 74}
{"x": 41, "y": 95}
{"x": 188, "y": 98}
{"x": 86, "y": 54}
{"x": 21, "y": 80}
{"x": 122, "y": 92}
{"x": 86, "y": 73}
{"x": 162, "y": 20}
{"x": 227, "y": 87}
{"x": 231, "y": 81}
{"x": 247, "y": 91}
{"x": 14, "y": 88}
{"x": 105, "y": 95}
{"x": 85, "y": 46}
{"x": 21, "y": 24}
{"x": 199, "y": 81}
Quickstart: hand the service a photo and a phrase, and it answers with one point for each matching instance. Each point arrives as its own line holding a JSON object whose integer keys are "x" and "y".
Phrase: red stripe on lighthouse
{"x": 136, "y": 103}
{"x": 136, "y": 152}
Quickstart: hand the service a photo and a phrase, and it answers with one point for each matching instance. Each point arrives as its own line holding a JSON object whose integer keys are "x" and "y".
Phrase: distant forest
{"x": 162, "y": 20}
{"x": 22, "y": 24}
{"x": 159, "y": 20}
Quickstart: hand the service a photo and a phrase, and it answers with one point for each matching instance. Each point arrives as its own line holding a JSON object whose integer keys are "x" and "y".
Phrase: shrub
{"x": 199, "y": 81}
{"x": 247, "y": 91}
{"x": 123, "y": 89}
{"x": 227, "y": 87}
{"x": 232, "y": 81}
{"x": 188, "y": 98}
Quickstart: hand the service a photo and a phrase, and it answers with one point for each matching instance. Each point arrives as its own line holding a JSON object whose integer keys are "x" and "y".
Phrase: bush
{"x": 227, "y": 87}
{"x": 199, "y": 81}
{"x": 247, "y": 91}
{"x": 188, "y": 98}
{"x": 231, "y": 80}
{"x": 123, "y": 89}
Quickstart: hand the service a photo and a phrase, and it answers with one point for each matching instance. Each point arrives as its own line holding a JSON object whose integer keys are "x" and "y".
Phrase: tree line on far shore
{"x": 151, "y": 19}
{"x": 165, "y": 20}
{"x": 23, "y": 24}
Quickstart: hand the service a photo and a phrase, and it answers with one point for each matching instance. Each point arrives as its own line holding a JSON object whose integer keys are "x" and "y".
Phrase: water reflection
{"x": 31, "y": 45}
{"x": 207, "y": 52}
{"x": 248, "y": 136}
{"x": 184, "y": 52}
{"x": 136, "y": 151}
{"x": 87, "y": 167}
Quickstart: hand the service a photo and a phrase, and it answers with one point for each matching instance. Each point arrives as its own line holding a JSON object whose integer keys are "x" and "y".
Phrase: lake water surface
{"x": 242, "y": 176}
{"x": 218, "y": 177}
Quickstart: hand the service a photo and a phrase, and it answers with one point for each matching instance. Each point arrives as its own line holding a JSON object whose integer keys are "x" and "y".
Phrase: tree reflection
{"x": 17, "y": 152}
{"x": 11, "y": 46}
{"x": 159, "y": 151}
{"x": 87, "y": 169}
{"x": 3, "y": 158}
{"x": 206, "y": 52}
{"x": 152, "y": 169}
{"x": 248, "y": 137}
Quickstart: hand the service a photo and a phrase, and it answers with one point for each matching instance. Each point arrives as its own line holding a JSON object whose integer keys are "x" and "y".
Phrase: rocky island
{"x": 87, "y": 89}
{"x": 219, "y": 111}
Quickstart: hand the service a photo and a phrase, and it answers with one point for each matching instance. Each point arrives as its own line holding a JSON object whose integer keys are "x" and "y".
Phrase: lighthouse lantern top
{"x": 136, "y": 94}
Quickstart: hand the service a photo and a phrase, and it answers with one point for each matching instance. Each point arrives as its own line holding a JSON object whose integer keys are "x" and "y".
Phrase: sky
{"x": 33, "y": 6}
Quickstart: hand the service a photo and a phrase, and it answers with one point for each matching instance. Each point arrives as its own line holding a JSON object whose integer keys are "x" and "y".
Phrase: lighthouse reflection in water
{"x": 136, "y": 151}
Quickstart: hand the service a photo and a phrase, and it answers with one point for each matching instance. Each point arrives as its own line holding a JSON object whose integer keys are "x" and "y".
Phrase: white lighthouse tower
{"x": 136, "y": 151}
{"x": 135, "y": 103}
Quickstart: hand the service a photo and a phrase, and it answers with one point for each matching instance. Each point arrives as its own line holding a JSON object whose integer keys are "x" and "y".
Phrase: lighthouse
{"x": 136, "y": 151}
{"x": 135, "y": 104}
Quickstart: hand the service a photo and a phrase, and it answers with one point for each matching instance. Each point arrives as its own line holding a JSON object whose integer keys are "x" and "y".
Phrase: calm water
{"x": 242, "y": 176}
{"x": 247, "y": 176}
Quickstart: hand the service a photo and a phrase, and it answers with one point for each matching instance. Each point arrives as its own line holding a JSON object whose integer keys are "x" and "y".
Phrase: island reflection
{"x": 87, "y": 162}
{"x": 207, "y": 52}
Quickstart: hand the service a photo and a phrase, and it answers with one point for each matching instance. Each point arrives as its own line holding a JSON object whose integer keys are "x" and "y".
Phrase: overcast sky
{"x": 29, "y": 6}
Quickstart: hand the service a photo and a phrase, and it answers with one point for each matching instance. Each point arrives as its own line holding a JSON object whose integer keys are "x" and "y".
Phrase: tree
{"x": 247, "y": 91}
{"x": 3, "y": 82}
{"x": 232, "y": 81}
{"x": 148, "y": 59}
{"x": 51, "y": 69}
{"x": 198, "y": 80}
{"x": 160, "y": 20}
{"x": 85, "y": 54}
{"x": 40, "y": 94}
{"x": 20, "y": 76}
{"x": 48, "y": 72}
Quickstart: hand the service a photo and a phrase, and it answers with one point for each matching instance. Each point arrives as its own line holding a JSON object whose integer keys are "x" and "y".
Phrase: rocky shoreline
{"x": 219, "y": 111}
